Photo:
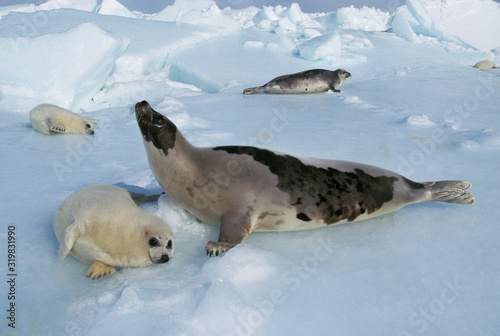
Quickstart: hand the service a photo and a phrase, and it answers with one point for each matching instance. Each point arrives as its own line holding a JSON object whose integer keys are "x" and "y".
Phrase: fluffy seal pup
{"x": 101, "y": 225}
{"x": 243, "y": 189}
{"x": 316, "y": 80}
{"x": 51, "y": 119}
{"x": 485, "y": 65}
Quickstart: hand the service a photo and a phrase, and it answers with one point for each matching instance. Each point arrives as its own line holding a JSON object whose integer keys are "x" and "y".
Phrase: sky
{"x": 154, "y": 6}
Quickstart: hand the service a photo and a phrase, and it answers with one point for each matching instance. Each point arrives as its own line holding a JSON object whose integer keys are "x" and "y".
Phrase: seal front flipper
{"x": 56, "y": 126}
{"x": 216, "y": 248}
{"x": 98, "y": 270}
{"x": 234, "y": 229}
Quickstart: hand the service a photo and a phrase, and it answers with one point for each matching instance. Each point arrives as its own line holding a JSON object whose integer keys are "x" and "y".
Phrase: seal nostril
{"x": 165, "y": 258}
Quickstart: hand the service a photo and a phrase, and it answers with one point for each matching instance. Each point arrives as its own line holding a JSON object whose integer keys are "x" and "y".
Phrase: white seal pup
{"x": 244, "y": 189}
{"x": 309, "y": 81}
{"x": 485, "y": 65}
{"x": 101, "y": 225}
{"x": 51, "y": 119}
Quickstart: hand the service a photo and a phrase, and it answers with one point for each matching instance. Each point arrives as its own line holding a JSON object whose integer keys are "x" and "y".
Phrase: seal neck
{"x": 183, "y": 147}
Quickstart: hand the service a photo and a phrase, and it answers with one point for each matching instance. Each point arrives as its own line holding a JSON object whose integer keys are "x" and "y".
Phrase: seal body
{"x": 102, "y": 226}
{"x": 316, "y": 80}
{"x": 485, "y": 65}
{"x": 244, "y": 189}
{"x": 51, "y": 119}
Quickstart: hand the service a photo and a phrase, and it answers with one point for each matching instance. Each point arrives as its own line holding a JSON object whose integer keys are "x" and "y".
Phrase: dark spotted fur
{"x": 318, "y": 195}
{"x": 303, "y": 82}
{"x": 302, "y": 78}
{"x": 336, "y": 195}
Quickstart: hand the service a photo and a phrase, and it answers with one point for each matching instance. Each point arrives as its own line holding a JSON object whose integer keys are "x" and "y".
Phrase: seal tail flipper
{"x": 450, "y": 192}
{"x": 254, "y": 90}
{"x": 140, "y": 198}
{"x": 67, "y": 240}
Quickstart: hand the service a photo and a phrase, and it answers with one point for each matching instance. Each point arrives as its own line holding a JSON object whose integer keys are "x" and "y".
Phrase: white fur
{"x": 485, "y": 65}
{"x": 102, "y": 223}
{"x": 50, "y": 119}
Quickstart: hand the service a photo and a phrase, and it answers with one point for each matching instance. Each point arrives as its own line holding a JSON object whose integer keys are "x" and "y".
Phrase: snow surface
{"x": 414, "y": 104}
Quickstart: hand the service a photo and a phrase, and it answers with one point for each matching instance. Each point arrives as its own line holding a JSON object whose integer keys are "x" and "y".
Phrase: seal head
{"x": 155, "y": 127}
{"x": 160, "y": 247}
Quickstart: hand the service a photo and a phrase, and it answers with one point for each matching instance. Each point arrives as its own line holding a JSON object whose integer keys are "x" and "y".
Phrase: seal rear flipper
{"x": 450, "y": 192}
{"x": 140, "y": 198}
{"x": 68, "y": 239}
{"x": 254, "y": 90}
{"x": 234, "y": 229}
{"x": 98, "y": 270}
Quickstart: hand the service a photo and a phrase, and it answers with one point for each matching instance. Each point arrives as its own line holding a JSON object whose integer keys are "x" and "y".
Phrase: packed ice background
{"x": 414, "y": 104}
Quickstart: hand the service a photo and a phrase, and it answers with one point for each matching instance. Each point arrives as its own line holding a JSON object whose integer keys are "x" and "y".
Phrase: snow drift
{"x": 466, "y": 23}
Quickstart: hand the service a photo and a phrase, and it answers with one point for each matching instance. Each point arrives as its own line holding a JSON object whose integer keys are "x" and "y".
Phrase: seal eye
{"x": 169, "y": 244}
{"x": 87, "y": 126}
{"x": 153, "y": 242}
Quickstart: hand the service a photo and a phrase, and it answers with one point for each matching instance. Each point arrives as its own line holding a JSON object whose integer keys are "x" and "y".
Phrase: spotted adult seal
{"x": 244, "y": 189}
{"x": 102, "y": 226}
{"x": 316, "y": 80}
